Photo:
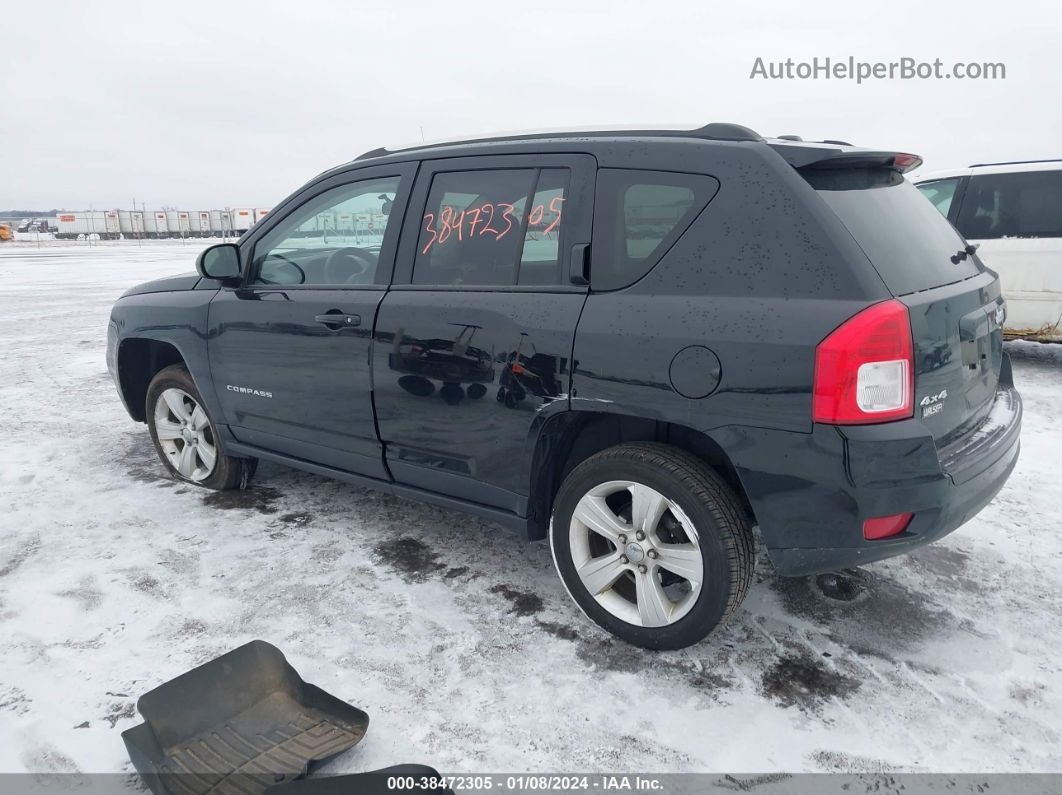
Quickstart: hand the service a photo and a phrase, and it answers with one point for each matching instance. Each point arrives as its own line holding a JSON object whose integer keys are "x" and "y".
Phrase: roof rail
{"x": 716, "y": 131}
{"x": 1016, "y": 162}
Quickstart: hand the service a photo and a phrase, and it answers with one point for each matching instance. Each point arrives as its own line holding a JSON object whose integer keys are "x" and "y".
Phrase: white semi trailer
{"x": 155, "y": 225}
{"x": 131, "y": 223}
{"x": 103, "y": 223}
{"x": 221, "y": 223}
{"x": 199, "y": 223}
{"x": 178, "y": 224}
{"x": 114, "y": 224}
{"x": 242, "y": 220}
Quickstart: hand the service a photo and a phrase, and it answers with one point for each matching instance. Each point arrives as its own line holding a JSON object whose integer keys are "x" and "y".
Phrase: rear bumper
{"x": 813, "y": 522}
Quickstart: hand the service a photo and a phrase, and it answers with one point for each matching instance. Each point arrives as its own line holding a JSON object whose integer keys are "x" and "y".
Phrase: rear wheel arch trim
{"x": 553, "y": 441}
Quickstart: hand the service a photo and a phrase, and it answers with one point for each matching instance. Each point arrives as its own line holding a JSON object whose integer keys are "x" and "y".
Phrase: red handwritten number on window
{"x": 475, "y": 220}
{"x": 488, "y": 228}
{"x": 554, "y": 207}
{"x": 507, "y": 216}
{"x": 444, "y": 219}
{"x": 451, "y": 222}
{"x": 428, "y": 218}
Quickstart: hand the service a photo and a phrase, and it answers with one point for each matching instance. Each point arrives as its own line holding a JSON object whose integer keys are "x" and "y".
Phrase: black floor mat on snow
{"x": 238, "y": 724}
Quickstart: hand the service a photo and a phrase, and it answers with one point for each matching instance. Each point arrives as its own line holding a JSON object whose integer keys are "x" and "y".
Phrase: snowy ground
{"x": 456, "y": 636}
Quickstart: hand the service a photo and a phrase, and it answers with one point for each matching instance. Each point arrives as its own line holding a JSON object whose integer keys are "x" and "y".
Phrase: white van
{"x": 1013, "y": 213}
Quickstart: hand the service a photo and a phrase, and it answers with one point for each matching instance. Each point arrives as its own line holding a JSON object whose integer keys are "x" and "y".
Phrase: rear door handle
{"x": 336, "y": 320}
{"x": 577, "y": 268}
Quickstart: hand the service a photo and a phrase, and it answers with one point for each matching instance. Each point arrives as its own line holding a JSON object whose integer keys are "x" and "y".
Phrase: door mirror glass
{"x": 219, "y": 262}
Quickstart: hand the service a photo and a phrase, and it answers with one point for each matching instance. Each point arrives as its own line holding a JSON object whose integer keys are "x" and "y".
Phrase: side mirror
{"x": 219, "y": 262}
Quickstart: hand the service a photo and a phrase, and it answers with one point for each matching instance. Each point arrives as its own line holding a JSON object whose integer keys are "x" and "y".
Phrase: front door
{"x": 474, "y": 340}
{"x": 290, "y": 349}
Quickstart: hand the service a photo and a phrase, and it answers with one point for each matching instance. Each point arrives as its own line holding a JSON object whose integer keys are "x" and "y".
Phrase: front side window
{"x": 1024, "y": 204}
{"x": 492, "y": 228}
{"x": 332, "y": 240}
{"x": 638, "y": 216}
{"x": 940, "y": 192}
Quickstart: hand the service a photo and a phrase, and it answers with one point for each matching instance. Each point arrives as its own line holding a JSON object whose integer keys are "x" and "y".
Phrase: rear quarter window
{"x": 941, "y": 192}
{"x": 638, "y": 216}
{"x": 1024, "y": 204}
{"x": 909, "y": 242}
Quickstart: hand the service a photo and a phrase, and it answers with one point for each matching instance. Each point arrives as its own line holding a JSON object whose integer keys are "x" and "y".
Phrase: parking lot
{"x": 456, "y": 636}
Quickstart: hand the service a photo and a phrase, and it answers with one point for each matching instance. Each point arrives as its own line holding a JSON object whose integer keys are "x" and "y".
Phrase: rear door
{"x": 954, "y": 302}
{"x": 473, "y": 342}
{"x": 290, "y": 349}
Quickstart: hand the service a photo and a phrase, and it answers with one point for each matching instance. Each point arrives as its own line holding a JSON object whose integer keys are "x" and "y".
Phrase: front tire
{"x": 652, "y": 544}
{"x": 184, "y": 435}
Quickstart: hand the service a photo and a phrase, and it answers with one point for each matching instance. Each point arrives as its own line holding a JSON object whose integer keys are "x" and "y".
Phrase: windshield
{"x": 909, "y": 242}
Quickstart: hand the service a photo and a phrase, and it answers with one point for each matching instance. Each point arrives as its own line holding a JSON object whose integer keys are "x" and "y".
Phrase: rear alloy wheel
{"x": 184, "y": 436}
{"x": 652, "y": 544}
{"x": 641, "y": 562}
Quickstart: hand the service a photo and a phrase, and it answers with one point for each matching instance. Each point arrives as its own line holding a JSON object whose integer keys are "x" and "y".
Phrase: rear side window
{"x": 907, "y": 240}
{"x": 1027, "y": 204}
{"x": 638, "y": 216}
{"x": 941, "y": 192}
{"x": 493, "y": 228}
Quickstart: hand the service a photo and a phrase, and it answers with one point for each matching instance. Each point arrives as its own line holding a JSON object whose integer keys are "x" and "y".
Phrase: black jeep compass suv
{"x": 638, "y": 344}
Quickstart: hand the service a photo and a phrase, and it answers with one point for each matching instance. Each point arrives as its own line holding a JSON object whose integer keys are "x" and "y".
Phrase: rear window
{"x": 480, "y": 229}
{"x": 1025, "y": 204}
{"x": 903, "y": 235}
{"x": 638, "y": 216}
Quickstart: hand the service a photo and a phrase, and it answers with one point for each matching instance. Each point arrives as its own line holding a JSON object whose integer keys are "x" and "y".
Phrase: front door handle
{"x": 336, "y": 320}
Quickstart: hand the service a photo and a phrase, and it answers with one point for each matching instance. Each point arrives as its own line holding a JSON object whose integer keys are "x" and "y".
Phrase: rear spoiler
{"x": 802, "y": 155}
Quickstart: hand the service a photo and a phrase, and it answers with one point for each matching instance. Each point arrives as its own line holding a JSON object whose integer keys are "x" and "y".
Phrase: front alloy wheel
{"x": 185, "y": 435}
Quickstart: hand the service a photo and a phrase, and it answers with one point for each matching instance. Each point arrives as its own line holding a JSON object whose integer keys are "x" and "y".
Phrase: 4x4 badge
{"x": 931, "y": 404}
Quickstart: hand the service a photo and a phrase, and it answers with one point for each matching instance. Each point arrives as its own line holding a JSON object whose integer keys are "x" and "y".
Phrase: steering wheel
{"x": 348, "y": 265}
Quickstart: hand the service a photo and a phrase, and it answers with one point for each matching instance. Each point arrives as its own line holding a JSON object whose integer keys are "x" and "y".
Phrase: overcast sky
{"x": 201, "y": 105}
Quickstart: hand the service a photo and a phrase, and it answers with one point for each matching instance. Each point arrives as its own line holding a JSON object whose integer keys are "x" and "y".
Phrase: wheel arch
{"x": 568, "y": 438}
{"x": 139, "y": 360}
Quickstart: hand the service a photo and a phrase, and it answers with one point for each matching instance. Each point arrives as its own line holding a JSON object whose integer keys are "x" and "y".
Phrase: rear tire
{"x": 652, "y": 544}
{"x": 184, "y": 436}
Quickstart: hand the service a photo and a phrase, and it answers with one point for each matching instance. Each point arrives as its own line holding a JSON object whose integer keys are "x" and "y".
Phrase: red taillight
{"x": 886, "y": 526}
{"x": 864, "y": 370}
